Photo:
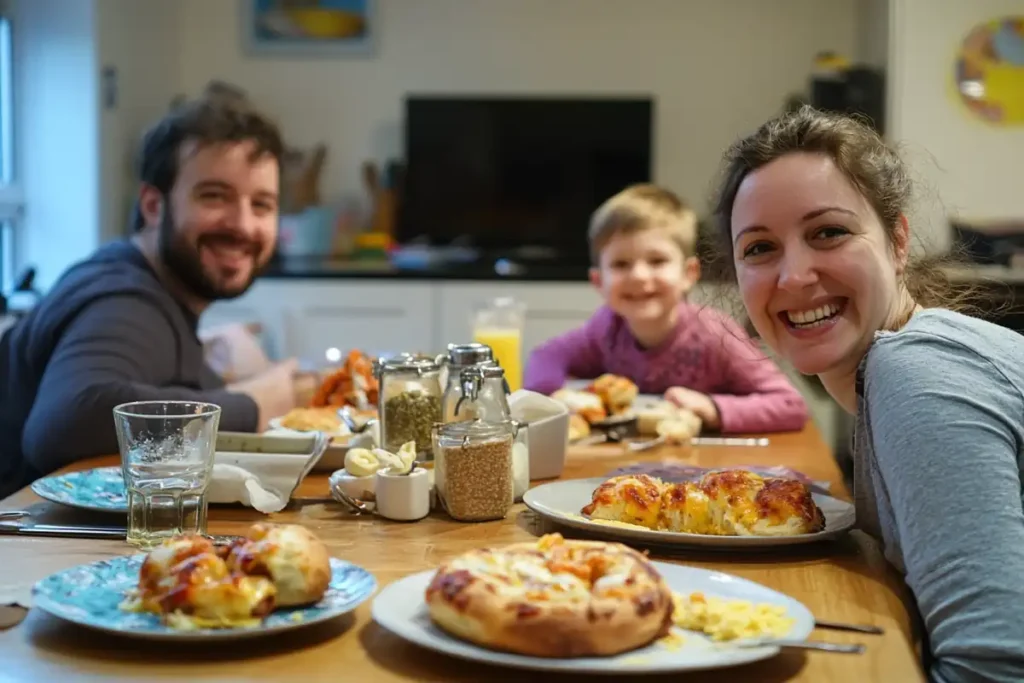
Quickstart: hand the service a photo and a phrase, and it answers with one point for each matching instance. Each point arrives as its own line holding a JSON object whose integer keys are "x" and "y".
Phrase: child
{"x": 642, "y": 244}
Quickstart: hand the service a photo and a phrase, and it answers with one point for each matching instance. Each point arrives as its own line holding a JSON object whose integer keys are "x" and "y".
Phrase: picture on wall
{"x": 990, "y": 71}
{"x": 308, "y": 27}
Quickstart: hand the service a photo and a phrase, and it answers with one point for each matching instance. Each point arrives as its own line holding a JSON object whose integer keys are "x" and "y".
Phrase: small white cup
{"x": 403, "y": 497}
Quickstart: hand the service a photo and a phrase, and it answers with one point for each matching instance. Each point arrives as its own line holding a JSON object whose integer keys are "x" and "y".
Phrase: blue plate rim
{"x": 54, "y": 608}
{"x": 37, "y": 487}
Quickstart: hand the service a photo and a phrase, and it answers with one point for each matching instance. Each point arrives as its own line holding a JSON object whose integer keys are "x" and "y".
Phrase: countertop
{"x": 484, "y": 269}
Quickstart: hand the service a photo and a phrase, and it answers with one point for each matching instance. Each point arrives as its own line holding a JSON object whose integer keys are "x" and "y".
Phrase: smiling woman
{"x": 812, "y": 216}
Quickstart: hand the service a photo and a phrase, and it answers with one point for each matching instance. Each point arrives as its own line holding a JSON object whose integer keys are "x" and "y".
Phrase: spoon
{"x": 356, "y": 506}
{"x": 354, "y": 426}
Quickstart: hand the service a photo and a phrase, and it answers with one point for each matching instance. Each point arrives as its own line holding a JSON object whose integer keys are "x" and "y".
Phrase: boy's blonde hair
{"x": 643, "y": 207}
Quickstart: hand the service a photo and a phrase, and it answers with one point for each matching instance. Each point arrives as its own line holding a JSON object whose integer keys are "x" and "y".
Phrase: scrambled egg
{"x": 730, "y": 619}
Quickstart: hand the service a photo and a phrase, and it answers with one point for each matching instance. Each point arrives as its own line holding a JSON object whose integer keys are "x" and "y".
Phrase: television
{"x": 518, "y": 175}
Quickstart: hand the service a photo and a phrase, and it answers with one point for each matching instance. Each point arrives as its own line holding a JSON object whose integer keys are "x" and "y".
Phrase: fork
{"x": 839, "y": 648}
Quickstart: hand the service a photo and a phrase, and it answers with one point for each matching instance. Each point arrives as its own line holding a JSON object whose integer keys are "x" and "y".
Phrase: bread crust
{"x": 579, "y": 598}
{"x": 731, "y": 502}
{"x": 292, "y": 556}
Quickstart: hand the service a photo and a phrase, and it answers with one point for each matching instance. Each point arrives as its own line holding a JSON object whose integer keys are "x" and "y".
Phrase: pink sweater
{"x": 709, "y": 353}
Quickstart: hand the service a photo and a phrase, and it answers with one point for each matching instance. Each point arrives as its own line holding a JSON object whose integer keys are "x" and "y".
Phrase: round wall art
{"x": 990, "y": 71}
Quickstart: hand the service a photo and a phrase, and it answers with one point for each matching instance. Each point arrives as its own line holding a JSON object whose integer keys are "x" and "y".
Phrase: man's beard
{"x": 182, "y": 260}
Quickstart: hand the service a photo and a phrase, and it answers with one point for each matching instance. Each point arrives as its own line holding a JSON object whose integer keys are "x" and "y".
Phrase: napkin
{"x": 547, "y": 434}
{"x": 264, "y": 481}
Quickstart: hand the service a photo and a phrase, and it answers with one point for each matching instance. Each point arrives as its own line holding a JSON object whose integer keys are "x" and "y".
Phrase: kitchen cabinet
{"x": 303, "y": 317}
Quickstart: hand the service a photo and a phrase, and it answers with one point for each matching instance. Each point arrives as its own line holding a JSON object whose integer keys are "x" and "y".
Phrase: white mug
{"x": 403, "y": 497}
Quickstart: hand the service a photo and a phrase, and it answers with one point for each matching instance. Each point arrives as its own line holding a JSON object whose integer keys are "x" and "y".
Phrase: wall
{"x": 965, "y": 166}
{"x": 57, "y": 140}
{"x": 72, "y": 152}
{"x": 716, "y": 68}
{"x": 873, "y": 33}
{"x": 140, "y": 40}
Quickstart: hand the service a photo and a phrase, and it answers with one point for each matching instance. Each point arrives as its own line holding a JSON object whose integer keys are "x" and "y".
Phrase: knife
{"x": 65, "y": 531}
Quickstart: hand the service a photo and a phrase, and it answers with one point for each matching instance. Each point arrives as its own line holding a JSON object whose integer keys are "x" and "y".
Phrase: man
{"x": 121, "y": 326}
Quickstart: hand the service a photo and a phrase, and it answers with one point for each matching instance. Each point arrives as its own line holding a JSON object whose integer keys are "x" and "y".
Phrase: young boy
{"x": 642, "y": 244}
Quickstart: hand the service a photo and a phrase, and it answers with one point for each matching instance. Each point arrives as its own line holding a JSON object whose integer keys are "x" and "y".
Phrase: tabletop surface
{"x": 845, "y": 580}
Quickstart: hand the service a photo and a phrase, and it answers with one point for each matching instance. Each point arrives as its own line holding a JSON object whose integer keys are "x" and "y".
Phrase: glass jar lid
{"x": 405, "y": 363}
{"x": 472, "y": 353}
{"x": 476, "y": 430}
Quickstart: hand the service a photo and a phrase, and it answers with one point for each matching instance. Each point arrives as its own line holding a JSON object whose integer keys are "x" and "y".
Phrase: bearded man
{"x": 121, "y": 326}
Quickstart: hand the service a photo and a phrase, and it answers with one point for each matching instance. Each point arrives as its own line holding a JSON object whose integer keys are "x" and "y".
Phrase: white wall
{"x": 716, "y": 68}
{"x": 873, "y": 33}
{"x": 140, "y": 40}
{"x": 73, "y": 153}
{"x": 966, "y": 167}
{"x": 57, "y": 139}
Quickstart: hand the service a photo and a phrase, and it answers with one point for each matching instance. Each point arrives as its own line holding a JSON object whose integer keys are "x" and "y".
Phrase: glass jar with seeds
{"x": 409, "y": 403}
{"x": 473, "y": 469}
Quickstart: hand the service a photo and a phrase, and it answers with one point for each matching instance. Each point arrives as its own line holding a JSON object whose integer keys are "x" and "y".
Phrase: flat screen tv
{"x": 517, "y": 174}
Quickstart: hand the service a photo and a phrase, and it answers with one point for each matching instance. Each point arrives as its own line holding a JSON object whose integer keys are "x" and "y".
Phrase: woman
{"x": 813, "y": 211}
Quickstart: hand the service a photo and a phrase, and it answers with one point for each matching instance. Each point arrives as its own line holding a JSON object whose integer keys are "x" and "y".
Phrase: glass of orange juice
{"x": 499, "y": 325}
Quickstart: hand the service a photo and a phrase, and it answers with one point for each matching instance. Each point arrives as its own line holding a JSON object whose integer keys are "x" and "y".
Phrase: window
{"x": 10, "y": 196}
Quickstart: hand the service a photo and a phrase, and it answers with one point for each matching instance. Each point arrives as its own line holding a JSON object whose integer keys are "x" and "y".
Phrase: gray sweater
{"x": 937, "y": 478}
{"x": 107, "y": 333}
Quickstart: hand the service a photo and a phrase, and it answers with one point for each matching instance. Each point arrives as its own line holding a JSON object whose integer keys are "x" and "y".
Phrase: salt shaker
{"x": 403, "y": 497}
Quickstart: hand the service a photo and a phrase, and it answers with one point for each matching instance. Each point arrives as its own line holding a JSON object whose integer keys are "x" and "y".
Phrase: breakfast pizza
{"x": 192, "y": 583}
{"x": 721, "y": 503}
{"x": 585, "y": 404}
{"x": 552, "y": 598}
{"x": 616, "y": 392}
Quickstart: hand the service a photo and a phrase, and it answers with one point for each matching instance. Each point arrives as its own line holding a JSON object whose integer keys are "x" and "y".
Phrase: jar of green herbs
{"x": 410, "y": 402}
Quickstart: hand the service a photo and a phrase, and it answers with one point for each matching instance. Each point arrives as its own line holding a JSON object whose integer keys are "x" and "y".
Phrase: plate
{"x": 101, "y": 489}
{"x": 340, "y": 436}
{"x": 400, "y": 608}
{"x": 561, "y": 501}
{"x": 90, "y": 595}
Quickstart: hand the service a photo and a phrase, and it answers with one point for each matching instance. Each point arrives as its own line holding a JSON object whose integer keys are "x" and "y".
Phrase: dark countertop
{"x": 489, "y": 270}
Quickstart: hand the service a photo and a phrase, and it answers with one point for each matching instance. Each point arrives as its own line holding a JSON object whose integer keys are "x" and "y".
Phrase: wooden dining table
{"x": 845, "y": 580}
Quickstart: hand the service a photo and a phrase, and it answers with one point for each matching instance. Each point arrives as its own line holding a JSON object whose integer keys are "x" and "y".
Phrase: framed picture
{"x": 308, "y": 28}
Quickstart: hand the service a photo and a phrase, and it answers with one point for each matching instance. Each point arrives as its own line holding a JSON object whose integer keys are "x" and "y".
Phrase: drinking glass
{"x": 499, "y": 325}
{"x": 167, "y": 452}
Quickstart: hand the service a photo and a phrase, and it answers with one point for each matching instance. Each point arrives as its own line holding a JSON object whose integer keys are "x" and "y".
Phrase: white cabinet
{"x": 302, "y": 318}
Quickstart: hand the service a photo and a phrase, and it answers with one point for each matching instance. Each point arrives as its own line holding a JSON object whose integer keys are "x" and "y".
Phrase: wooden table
{"x": 846, "y": 580}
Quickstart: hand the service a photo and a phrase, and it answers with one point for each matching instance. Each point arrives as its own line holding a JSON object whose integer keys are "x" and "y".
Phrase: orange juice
{"x": 507, "y": 347}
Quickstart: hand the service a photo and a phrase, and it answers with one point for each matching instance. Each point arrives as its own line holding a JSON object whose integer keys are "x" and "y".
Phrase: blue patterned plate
{"x": 91, "y": 594}
{"x": 100, "y": 489}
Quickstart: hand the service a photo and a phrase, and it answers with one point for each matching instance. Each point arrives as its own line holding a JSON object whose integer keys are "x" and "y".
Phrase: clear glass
{"x": 499, "y": 324}
{"x": 410, "y": 404}
{"x": 473, "y": 469}
{"x": 167, "y": 450}
{"x": 479, "y": 394}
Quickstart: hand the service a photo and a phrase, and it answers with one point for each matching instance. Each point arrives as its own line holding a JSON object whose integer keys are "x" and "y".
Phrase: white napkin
{"x": 264, "y": 481}
{"x": 547, "y": 434}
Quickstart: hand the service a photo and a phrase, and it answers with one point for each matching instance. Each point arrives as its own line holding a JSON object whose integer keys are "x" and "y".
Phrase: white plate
{"x": 275, "y": 424}
{"x": 333, "y": 458}
{"x": 90, "y": 595}
{"x": 400, "y": 608}
{"x": 562, "y": 501}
